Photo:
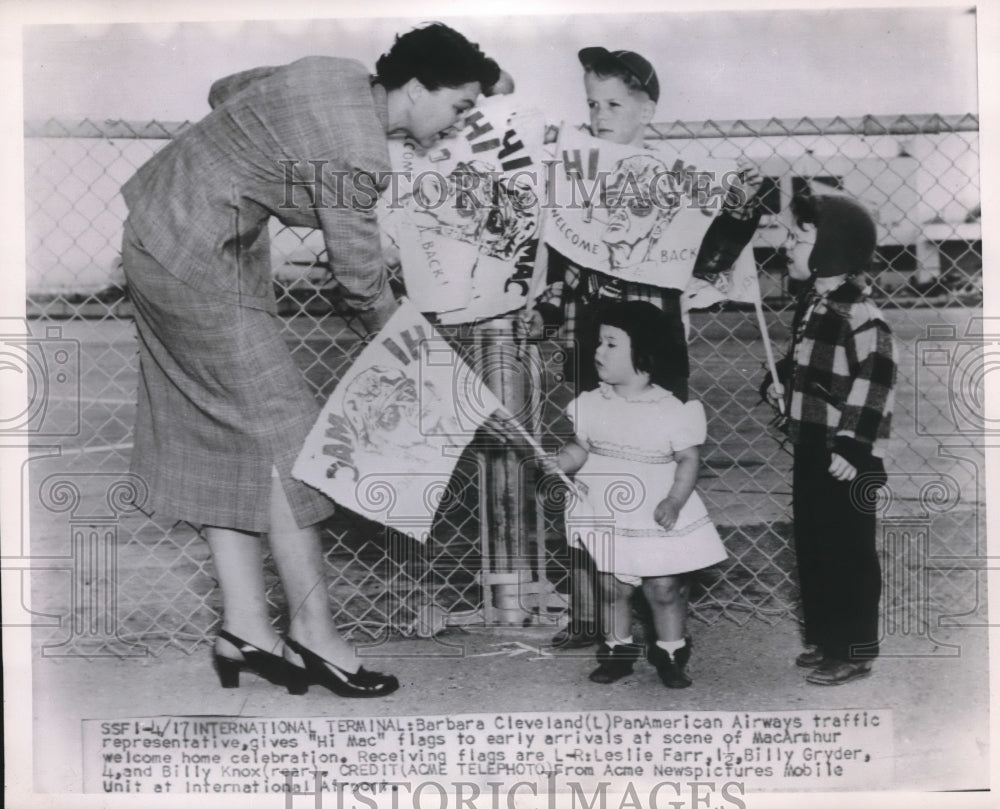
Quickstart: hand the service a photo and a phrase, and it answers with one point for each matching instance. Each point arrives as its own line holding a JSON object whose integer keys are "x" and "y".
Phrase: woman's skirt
{"x": 222, "y": 406}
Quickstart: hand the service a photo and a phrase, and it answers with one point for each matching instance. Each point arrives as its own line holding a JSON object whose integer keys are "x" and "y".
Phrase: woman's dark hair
{"x": 648, "y": 331}
{"x": 437, "y": 56}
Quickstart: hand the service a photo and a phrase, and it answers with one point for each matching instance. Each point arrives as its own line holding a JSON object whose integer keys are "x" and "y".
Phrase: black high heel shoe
{"x": 362, "y": 683}
{"x": 273, "y": 668}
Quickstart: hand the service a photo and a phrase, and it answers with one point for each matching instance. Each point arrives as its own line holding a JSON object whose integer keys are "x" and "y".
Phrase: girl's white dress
{"x": 629, "y": 469}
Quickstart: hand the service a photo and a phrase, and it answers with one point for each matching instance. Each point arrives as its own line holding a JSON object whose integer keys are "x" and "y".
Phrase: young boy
{"x": 622, "y": 92}
{"x": 839, "y": 376}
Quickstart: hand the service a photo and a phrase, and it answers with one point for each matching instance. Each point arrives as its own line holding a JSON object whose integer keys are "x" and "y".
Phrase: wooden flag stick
{"x": 768, "y": 353}
{"x": 535, "y": 445}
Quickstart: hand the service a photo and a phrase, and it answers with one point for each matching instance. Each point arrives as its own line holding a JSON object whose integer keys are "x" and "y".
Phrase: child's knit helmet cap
{"x": 845, "y": 233}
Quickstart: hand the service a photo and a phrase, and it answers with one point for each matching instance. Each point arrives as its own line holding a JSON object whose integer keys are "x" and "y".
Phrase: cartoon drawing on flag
{"x": 392, "y": 417}
{"x": 473, "y": 204}
{"x": 465, "y": 215}
{"x": 636, "y": 214}
{"x": 635, "y": 221}
{"x": 387, "y": 440}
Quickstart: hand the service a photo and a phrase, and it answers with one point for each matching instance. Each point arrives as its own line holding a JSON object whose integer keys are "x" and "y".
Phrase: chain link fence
{"x": 123, "y": 582}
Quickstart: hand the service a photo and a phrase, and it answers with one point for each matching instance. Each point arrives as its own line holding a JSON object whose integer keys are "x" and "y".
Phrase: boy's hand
{"x": 666, "y": 514}
{"x": 743, "y": 192}
{"x": 774, "y": 394}
{"x": 841, "y": 469}
{"x": 529, "y": 323}
{"x": 751, "y": 176}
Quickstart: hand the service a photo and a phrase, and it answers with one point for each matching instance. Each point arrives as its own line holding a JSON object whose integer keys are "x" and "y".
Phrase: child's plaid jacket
{"x": 843, "y": 375}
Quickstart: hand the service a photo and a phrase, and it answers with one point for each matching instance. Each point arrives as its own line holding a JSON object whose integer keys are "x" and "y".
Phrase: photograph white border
{"x": 13, "y": 15}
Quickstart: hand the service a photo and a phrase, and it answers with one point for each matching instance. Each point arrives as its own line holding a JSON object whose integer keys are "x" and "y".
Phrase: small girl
{"x": 635, "y": 450}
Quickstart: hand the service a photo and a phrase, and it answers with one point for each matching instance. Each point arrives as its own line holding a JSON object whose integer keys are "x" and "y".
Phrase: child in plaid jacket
{"x": 839, "y": 378}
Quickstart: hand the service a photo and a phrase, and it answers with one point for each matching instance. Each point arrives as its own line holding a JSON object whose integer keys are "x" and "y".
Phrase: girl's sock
{"x": 611, "y": 643}
{"x": 671, "y": 645}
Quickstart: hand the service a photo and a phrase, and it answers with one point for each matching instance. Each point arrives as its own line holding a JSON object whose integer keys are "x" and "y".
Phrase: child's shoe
{"x": 838, "y": 672}
{"x": 811, "y": 658}
{"x": 615, "y": 662}
{"x": 671, "y": 667}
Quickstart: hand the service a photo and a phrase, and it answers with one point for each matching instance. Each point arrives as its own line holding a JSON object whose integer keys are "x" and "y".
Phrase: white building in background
{"x": 924, "y": 191}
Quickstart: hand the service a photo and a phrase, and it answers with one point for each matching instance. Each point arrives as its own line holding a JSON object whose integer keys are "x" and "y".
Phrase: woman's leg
{"x": 668, "y": 597}
{"x": 239, "y": 567}
{"x": 299, "y": 558}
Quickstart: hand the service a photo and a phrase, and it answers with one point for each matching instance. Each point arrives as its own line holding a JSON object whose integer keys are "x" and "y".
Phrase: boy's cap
{"x": 631, "y": 61}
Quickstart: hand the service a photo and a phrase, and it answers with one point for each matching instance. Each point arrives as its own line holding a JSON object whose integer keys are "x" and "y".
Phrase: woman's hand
{"x": 666, "y": 513}
{"x": 376, "y": 317}
{"x": 390, "y": 254}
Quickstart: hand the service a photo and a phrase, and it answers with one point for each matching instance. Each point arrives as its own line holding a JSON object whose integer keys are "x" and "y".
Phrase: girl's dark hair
{"x": 437, "y": 56}
{"x": 648, "y": 332}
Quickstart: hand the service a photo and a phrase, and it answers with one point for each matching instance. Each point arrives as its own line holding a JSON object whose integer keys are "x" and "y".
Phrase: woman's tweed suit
{"x": 221, "y": 401}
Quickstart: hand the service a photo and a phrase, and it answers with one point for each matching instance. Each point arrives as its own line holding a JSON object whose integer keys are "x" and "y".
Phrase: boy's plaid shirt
{"x": 571, "y": 287}
{"x": 843, "y": 362}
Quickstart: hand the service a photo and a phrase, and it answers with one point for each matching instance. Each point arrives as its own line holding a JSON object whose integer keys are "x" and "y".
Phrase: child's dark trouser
{"x": 839, "y": 573}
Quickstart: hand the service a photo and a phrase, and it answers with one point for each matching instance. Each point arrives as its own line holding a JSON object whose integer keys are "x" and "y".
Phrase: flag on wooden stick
{"x": 465, "y": 216}
{"x": 387, "y": 440}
